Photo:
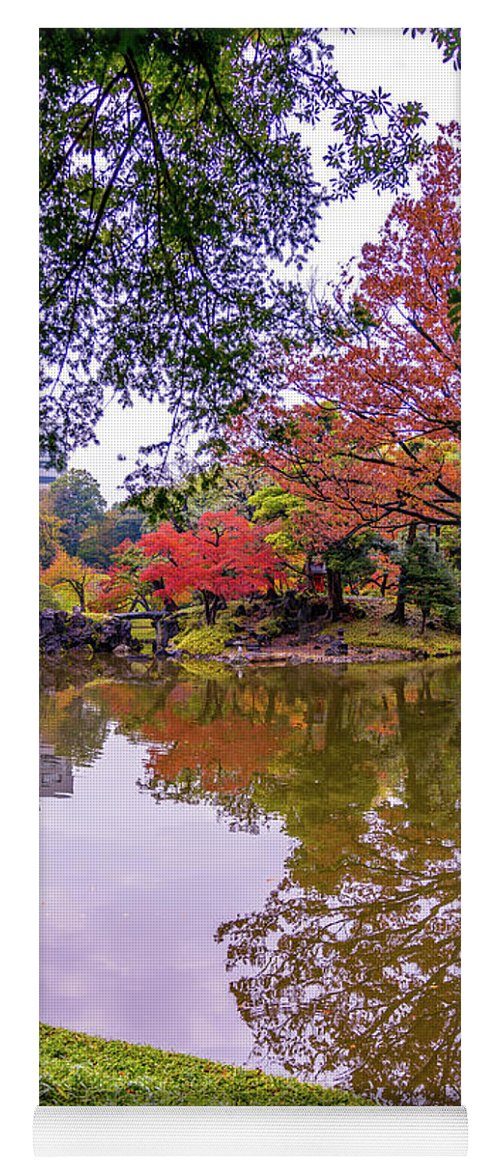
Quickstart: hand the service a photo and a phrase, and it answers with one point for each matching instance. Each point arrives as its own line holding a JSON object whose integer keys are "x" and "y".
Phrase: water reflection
{"x": 347, "y": 971}
{"x": 72, "y": 723}
{"x": 56, "y": 773}
{"x": 360, "y": 988}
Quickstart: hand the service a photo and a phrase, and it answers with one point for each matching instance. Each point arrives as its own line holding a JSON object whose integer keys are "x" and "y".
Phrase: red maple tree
{"x": 224, "y": 557}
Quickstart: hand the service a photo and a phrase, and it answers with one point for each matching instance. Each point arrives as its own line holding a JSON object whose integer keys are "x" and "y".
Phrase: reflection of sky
{"x": 132, "y": 893}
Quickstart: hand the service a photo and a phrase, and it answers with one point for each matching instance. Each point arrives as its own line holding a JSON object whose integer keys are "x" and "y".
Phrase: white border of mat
{"x": 250, "y": 1130}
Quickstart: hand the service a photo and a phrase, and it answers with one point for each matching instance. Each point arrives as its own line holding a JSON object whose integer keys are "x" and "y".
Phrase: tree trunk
{"x": 335, "y": 593}
{"x": 383, "y": 585}
{"x": 398, "y": 614}
{"x": 80, "y": 592}
{"x": 210, "y": 606}
{"x": 206, "y": 607}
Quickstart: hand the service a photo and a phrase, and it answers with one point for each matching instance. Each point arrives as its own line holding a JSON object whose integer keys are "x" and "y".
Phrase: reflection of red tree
{"x": 225, "y": 759}
{"x": 201, "y": 730}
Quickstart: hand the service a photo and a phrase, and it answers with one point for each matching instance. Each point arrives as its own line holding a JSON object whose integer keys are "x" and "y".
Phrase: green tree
{"x": 430, "y": 581}
{"x": 447, "y": 39}
{"x": 172, "y": 172}
{"x": 49, "y": 530}
{"x": 47, "y": 598}
{"x": 76, "y": 499}
{"x": 348, "y": 562}
{"x": 216, "y": 488}
{"x": 98, "y": 541}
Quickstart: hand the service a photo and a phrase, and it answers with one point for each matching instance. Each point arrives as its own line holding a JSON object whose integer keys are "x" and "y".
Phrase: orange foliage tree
{"x": 373, "y": 440}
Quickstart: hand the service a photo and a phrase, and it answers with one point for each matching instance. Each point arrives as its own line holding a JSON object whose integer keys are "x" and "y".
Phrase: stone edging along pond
{"x": 60, "y": 632}
{"x": 79, "y": 1070}
{"x": 294, "y": 658}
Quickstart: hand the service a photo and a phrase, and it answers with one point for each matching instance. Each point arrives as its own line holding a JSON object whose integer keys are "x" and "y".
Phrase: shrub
{"x": 209, "y": 640}
{"x": 47, "y": 598}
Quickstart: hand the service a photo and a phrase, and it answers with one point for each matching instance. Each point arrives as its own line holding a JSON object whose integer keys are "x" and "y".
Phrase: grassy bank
{"x": 77, "y": 1070}
{"x": 376, "y": 632}
{"x": 371, "y": 631}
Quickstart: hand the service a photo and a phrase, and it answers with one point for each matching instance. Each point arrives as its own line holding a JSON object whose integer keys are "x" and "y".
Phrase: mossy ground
{"x": 376, "y": 631}
{"x": 78, "y": 1070}
{"x": 368, "y": 626}
{"x": 206, "y": 640}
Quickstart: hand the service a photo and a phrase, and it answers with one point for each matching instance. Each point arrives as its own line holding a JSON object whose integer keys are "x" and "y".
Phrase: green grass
{"x": 375, "y": 631}
{"x": 143, "y": 630}
{"x": 364, "y": 632}
{"x": 77, "y": 1070}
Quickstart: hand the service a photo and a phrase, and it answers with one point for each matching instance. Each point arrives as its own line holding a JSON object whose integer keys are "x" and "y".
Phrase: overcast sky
{"x": 408, "y": 69}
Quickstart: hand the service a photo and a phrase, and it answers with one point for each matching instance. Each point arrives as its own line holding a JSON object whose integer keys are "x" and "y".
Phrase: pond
{"x": 260, "y": 867}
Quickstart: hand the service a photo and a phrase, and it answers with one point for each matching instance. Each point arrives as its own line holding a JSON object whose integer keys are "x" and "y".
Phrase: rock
{"x": 337, "y": 645}
{"x": 114, "y": 632}
{"x": 51, "y": 644}
{"x": 171, "y": 628}
{"x": 79, "y": 631}
{"x": 60, "y": 631}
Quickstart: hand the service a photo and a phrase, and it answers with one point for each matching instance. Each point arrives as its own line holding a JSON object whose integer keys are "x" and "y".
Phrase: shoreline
{"x": 296, "y": 657}
{"x": 265, "y": 658}
{"x": 236, "y": 640}
{"x": 77, "y": 1069}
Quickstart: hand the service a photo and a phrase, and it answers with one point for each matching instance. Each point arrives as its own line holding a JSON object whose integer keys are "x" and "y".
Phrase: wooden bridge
{"x": 160, "y": 620}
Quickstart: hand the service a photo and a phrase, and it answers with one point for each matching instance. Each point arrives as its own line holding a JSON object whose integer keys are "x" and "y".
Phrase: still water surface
{"x": 260, "y": 868}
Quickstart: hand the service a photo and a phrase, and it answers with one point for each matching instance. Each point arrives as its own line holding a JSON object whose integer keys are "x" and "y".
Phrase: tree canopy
{"x": 76, "y": 499}
{"x": 103, "y": 535}
{"x": 223, "y": 557}
{"x": 173, "y": 175}
{"x": 373, "y": 440}
{"x": 69, "y": 571}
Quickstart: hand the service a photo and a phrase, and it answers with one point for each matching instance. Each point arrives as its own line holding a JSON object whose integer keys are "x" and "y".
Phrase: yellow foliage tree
{"x": 71, "y": 571}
